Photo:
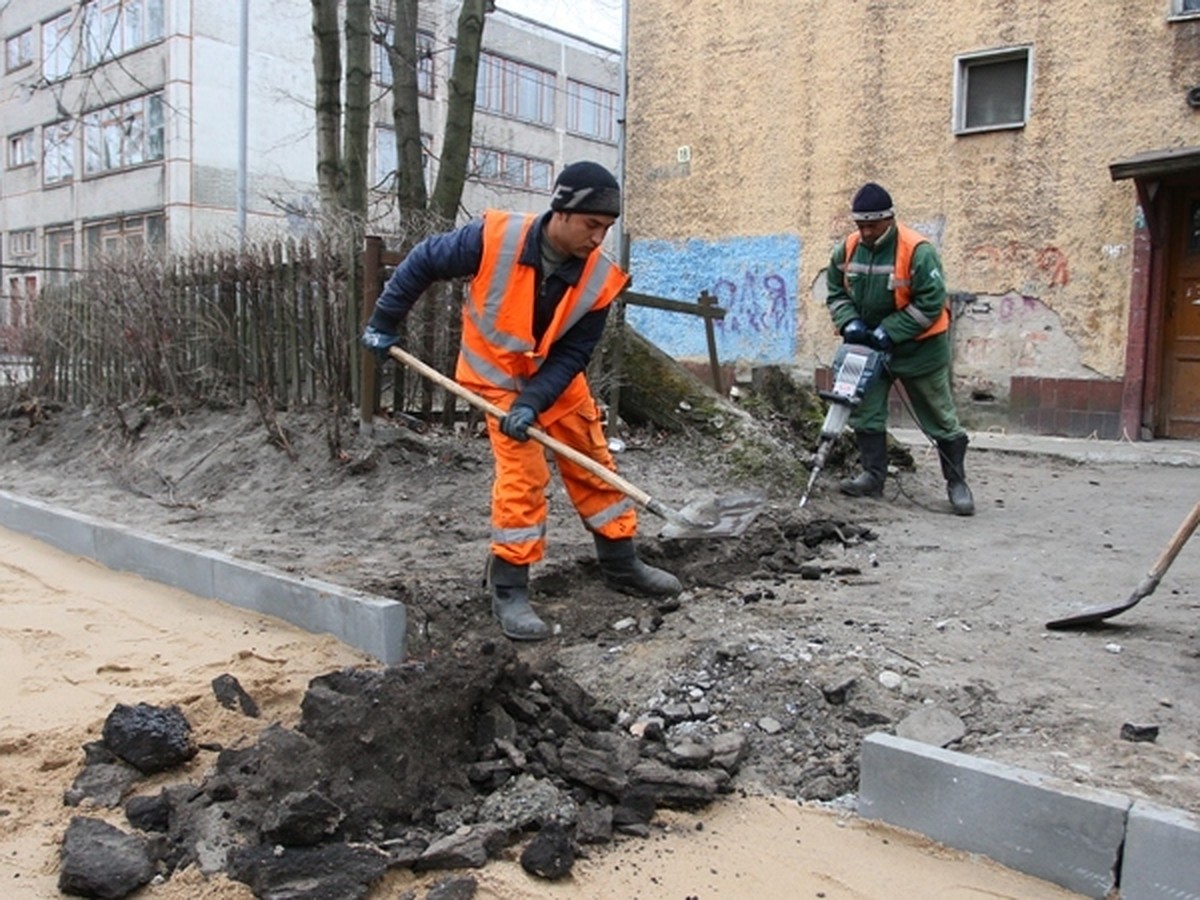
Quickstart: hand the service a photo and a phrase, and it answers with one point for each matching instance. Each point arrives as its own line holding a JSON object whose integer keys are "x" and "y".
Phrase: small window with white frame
{"x": 20, "y": 149}
{"x": 992, "y": 89}
{"x": 1184, "y": 9}
{"x": 18, "y": 50}
{"x": 22, "y": 243}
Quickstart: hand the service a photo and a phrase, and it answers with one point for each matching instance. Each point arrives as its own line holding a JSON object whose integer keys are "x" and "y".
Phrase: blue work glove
{"x": 856, "y": 332}
{"x": 516, "y": 423}
{"x": 880, "y": 340}
{"x": 378, "y": 342}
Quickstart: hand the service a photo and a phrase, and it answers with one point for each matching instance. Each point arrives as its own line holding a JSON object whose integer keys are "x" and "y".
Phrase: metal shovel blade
{"x": 713, "y": 517}
{"x": 1147, "y": 585}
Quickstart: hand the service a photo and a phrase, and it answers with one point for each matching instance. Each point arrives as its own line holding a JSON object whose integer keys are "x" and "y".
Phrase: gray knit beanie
{"x": 586, "y": 187}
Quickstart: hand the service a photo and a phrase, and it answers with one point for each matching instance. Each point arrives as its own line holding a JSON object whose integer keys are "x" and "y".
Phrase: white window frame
{"x": 589, "y": 105}
{"x": 965, "y": 62}
{"x": 22, "y": 149}
{"x": 515, "y": 89}
{"x": 124, "y": 236}
{"x": 123, "y": 135}
{"x": 387, "y": 156}
{"x": 22, "y": 243}
{"x": 383, "y": 63}
{"x": 60, "y": 253}
{"x": 58, "y": 46}
{"x": 491, "y": 165}
{"x": 58, "y": 152}
{"x": 112, "y": 28}
{"x": 18, "y": 50}
{"x": 1177, "y": 12}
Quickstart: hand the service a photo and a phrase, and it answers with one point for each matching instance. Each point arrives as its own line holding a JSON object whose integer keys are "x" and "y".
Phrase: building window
{"x": 512, "y": 88}
{"x": 18, "y": 50}
{"x": 16, "y": 311}
{"x": 113, "y": 27}
{"x": 511, "y": 169}
{"x": 383, "y": 63}
{"x": 58, "y": 152}
{"x": 58, "y": 47}
{"x": 126, "y": 236}
{"x": 22, "y": 243}
{"x": 591, "y": 111}
{"x": 20, "y": 149}
{"x": 387, "y": 157}
{"x": 1185, "y": 9}
{"x": 60, "y": 254}
{"x": 126, "y": 134}
{"x": 991, "y": 89}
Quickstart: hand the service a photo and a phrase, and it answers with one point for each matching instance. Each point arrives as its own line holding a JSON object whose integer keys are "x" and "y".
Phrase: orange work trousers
{"x": 522, "y": 475}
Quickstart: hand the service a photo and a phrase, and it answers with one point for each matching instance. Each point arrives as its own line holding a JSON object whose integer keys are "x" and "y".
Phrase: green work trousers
{"x": 930, "y": 398}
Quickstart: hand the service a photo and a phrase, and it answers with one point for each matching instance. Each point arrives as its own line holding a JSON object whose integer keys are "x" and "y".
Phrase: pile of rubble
{"x": 437, "y": 765}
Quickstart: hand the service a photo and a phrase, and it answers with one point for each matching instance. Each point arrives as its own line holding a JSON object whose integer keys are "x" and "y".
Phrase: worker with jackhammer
{"x": 886, "y": 290}
{"x": 539, "y": 294}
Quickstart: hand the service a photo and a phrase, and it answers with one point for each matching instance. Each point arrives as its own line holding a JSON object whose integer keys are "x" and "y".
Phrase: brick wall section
{"x": 1067, "y": 407}
{"x": 1063, "y": 407}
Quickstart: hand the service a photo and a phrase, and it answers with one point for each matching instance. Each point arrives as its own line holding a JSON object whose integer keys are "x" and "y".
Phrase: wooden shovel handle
{"x": 609, "y": 477}
{"x": 1182, "y": 533}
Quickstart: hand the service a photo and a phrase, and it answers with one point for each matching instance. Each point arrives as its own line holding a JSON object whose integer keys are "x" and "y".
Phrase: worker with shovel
{"x": 540, "y": 290}
{"x": 886, "y": 291}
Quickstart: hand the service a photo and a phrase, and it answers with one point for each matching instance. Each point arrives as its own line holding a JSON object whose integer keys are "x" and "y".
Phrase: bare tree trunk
{"x": 402, "y": 54}
{"x": 358, "y": 109}
{"x": 327, "y": 66}
{"x": 460, "y": 116}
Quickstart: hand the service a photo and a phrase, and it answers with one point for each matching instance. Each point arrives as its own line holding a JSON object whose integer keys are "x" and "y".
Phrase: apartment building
{"x": 121, "y": 124}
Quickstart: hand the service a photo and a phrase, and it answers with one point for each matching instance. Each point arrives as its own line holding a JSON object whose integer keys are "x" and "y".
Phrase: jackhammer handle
{"x": 630, "y": 490}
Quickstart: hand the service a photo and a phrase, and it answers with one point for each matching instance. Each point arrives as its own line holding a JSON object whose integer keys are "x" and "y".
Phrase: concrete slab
{"x": 375, "y": 625}
{"x": 1162, "y": 854}
{"x": 1045, "y": 827}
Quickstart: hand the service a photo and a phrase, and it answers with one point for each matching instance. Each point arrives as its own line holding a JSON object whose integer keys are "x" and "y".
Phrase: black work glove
{"x": 880, "y": 340}
{"x": 378, "y": 341}
{"x": 856, "y": 332}
{"x": 517, "y": 421}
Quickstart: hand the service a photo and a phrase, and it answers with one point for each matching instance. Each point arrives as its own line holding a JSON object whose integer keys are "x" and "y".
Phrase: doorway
{"x": 1179, "y": 374}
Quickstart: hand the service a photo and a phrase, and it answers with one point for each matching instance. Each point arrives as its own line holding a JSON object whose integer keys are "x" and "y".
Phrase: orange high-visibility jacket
{"x": 900, "y": 280}
{"x": 497, "y": 349}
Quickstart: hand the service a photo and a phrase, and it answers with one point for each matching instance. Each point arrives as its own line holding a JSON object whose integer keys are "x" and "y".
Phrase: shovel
{"x": 714, "y": 518}
{"x": 1147, "y": 585}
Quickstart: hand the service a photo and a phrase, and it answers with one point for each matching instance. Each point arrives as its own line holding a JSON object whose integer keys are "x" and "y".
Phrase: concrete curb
{"x": 1185, "y": 454}
{"x": 1086, "y": 840}
{"x": 375, "y": 625}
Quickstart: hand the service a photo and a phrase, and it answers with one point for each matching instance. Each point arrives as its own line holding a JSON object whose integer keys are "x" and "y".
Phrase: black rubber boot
{"x": 872, "y": 454}
{"x": 624, "y": 572}
{"x": 509, "y": 586}
{"x": 952, "y": 453}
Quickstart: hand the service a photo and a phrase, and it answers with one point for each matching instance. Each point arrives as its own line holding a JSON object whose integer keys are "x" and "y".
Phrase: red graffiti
{"x": 1041, "y": 266}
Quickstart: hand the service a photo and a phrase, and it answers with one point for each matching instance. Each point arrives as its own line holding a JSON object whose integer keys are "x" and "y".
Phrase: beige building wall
{"x": 763, "y": 117}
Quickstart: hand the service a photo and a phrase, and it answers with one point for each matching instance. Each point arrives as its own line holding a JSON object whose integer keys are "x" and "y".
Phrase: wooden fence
{"x": 275, "y": 323}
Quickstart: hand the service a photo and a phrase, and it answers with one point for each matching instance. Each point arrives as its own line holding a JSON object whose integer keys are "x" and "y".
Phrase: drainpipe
{"x": 243, "y": 106}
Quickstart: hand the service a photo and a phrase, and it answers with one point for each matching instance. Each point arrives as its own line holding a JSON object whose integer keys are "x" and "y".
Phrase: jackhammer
{"x": 854, "y": 367}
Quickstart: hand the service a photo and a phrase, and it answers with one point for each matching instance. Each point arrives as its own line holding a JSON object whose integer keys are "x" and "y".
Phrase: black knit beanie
{"x": 871, "y": 204}
{"x": 586, "y": 187}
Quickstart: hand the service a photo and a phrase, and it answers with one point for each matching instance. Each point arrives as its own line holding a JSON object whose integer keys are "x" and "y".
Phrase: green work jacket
{"x": 871, "y": 300}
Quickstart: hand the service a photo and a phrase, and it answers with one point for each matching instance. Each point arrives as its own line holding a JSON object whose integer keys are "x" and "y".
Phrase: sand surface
{"x": 76, "y": 639}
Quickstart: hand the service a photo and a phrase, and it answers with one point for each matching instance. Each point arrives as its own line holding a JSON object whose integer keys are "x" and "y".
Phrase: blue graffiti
{"x": 755, "y": 280}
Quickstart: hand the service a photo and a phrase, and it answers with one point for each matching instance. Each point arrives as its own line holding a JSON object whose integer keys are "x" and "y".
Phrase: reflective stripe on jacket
{"x": 899, "y": 275}
{"x": 498, "y": 348}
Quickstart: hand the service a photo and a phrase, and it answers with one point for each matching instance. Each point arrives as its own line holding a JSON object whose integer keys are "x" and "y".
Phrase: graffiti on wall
{"x": 1019, "y": 266}
{"x": 753, "y": 279}
{"x": 1013, "y": 334}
